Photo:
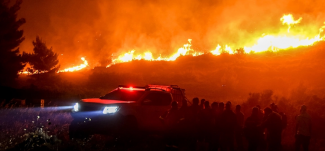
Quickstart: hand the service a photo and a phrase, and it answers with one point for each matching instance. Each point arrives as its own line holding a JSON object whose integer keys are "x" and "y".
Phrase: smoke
{"x": 98, "y": 29}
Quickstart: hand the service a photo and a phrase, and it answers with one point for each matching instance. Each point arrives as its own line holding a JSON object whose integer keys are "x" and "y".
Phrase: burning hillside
{"x": 267, "y": 42}
{"x": 113, "y": 32}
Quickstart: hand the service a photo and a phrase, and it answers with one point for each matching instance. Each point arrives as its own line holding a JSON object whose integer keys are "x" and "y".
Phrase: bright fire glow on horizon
{"x": 264, "y": 43}
{"x": 70, "y": 69}
{"x": 76, "y": 68}
{"x": 267, "y": 42}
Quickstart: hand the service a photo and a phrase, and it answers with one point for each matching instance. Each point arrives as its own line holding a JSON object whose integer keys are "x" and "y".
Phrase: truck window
{"x": 157, "y": 99}
{"x": 124, "y": 95}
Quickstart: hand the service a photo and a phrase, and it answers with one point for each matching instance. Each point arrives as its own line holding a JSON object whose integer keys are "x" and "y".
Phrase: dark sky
{"x": 96, "y": 29}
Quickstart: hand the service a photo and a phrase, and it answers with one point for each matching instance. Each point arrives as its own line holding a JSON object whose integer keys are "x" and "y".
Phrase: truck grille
{"x": 91, "y": 107}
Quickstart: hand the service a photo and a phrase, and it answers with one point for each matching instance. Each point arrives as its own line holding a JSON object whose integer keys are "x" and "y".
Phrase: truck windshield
{"x": 124, "y": 95}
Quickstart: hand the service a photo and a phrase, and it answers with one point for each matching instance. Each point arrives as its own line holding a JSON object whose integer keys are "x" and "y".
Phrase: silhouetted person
{"x": 215, "y": 136}
{"x": 239, "y": 128}
{"x": 202, "y": 103}
{"x": 260, "y": 113}
{"x": 274, "y": 107}
{"x": 284, "y": 122}
{"x": 228, "y": 125}
{"x": 206, "y": 120}
{"x": 184, "y": 121}
{"x": 171, "y": 120}
{"x": 214, "y": 113}
{"x": 303, "y": 129}
{"x": 194, "y": 121}
{"x": 214, "y": 106}
{"x": 252, "y": 131}
{"x": 273, "y": 125}
{"x": 205, "y": 126}
{"x": 221, "y": 107}
{"x": 218, "y": 124}
{"x": 195, "y": 106}
{"x": 184, "y": 109}
{"x": 194, "y": 111}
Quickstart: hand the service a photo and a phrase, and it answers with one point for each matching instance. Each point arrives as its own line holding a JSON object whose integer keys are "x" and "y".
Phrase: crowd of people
{"x": 217, "y": 127}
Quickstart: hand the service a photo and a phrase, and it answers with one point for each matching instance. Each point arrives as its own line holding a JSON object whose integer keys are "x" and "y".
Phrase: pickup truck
{"x": 126, "y": 108}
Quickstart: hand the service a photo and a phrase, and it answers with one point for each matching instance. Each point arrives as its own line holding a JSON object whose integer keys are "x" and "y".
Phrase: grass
{"x": 34, "y": 128}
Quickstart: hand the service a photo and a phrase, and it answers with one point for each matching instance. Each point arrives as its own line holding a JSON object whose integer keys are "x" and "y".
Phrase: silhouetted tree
{"x": 43, "y": 58}
{"x": 10, "y": 38}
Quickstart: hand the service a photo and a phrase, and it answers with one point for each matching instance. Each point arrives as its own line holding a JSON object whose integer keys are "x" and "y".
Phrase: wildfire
{"x": 129, "y": 56}
{"x": 285, "y": 40}
{"x": 265, "y": 43}
{"x": 288, "y": 19}
{"x": 76, "y": 68}
{"x": 71, "y": 69}
{"x": 32, "y": 72}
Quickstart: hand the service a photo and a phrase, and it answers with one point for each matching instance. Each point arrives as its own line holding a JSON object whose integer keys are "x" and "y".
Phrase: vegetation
{"x": 43, "y": 58}
{"x": 47, "y": 129}
{"x": 10, "y": 37}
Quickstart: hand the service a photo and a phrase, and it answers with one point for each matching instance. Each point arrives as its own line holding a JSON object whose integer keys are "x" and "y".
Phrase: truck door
{"x": 154, "y": 105}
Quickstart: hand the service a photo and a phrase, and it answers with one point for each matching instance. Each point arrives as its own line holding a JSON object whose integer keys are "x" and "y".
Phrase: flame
{"x": 217, "y": 51}
{"x": 76, "y": 68}
{"x": 71, "y": 69}
{"x": 280, "y": 42}
{"x": 131, "y": 55}
{"x": 267, "y": 42}
{"x": 31, "y": 73}
{"x": 288, "y": 19}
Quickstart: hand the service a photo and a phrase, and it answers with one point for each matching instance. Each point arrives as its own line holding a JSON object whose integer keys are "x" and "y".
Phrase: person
{"x": 193, "y": 121}
{"x": 262, "y": 118}
{"x": 228, "y": 124}
{"x": 171, "y": 119}
{"x": 274, "y": 107}
{"x": 194, "y": 108}
{"x": 202, "y": 104}
{"x": 184, "y": 110}
{"x": 239, "y": 128}
{"x": 206, "y": 120}
{"x": 273, "y": 124}
{"x": 214, "y": 145}
{"x": 303, "y": 129}
{"x": 205, "y": 124}
{"x": 260, "y": 113}
{"x": 252, "y": 131}
{"x": 184, "y": 121}
{"x": 218, "y": 124}
{"x": 221, "y": 107}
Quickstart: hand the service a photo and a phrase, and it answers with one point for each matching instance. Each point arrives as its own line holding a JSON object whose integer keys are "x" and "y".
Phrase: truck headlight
{"x": 76, "y": 107}
{"x": 111, "y": 109}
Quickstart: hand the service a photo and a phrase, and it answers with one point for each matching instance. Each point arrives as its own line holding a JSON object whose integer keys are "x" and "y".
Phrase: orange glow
{"x": 71, "y": 69}
{"x": 31, "y": 73}
{"x": 288, "y": 19}
{"x": 284, "y": 39}
{"x": 267, "y": 42}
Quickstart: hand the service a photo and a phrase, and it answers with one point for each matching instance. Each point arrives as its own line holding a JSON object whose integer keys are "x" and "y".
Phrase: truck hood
{"x": 105, "y": 101}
